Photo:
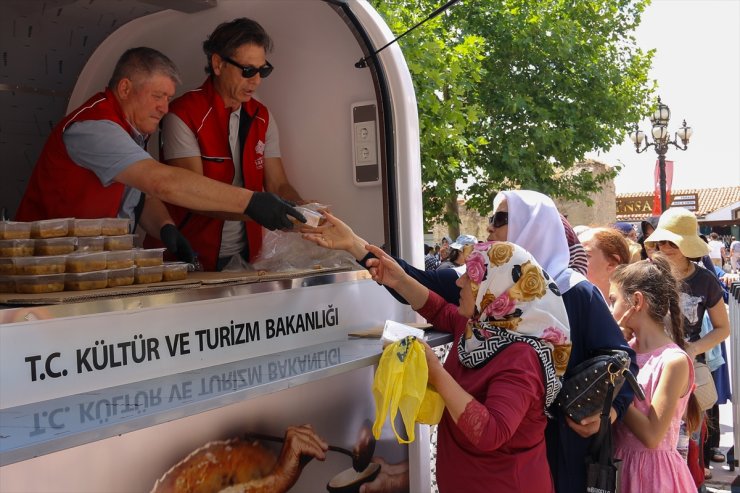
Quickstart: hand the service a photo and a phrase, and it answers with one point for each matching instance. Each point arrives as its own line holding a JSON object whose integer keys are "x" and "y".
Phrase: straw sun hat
{"x": 679, "y": 226}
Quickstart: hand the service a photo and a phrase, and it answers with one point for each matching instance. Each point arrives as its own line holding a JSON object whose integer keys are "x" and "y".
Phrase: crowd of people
{"x": 533, "y": 301}
{"x": 648, "y": 295}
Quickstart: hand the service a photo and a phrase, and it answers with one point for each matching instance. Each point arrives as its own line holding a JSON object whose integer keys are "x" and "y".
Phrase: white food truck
{"x": 107, "y": 392}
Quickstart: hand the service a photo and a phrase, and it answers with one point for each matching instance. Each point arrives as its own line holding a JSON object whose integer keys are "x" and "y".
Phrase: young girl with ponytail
{"x": 645, "y": 297}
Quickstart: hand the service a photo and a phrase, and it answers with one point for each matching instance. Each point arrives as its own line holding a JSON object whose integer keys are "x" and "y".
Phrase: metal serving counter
{"x": 40, "y": 428}
{"x": 73, "y": 374}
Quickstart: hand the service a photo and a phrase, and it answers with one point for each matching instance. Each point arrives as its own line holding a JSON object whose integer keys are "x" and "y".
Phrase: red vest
{"x": 203, "y": 111}
{"x": 61, "y": 188}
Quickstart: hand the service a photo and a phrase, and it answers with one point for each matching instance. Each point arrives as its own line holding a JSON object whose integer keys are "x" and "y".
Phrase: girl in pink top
{"x": 644, "y": 294}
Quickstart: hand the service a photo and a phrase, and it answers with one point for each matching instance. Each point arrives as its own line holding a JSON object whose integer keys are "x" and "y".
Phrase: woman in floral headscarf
{"x": 511, "y": 341}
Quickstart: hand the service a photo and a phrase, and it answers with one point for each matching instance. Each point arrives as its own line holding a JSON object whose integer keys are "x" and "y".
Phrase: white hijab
{"x": 535, "y": 225}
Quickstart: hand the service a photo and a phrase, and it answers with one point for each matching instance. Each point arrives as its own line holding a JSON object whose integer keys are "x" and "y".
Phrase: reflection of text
{"x": 87, "y": 411}
{"x": 101, "y": 355}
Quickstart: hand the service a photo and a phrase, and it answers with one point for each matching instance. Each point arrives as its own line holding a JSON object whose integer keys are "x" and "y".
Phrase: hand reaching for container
{"x": 336, "y": 235}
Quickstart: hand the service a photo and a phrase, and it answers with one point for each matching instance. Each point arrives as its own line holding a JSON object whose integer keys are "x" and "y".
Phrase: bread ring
{"x": 217, "y": 465}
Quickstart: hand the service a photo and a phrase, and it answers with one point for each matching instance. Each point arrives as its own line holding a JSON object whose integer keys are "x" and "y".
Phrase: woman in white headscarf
{"x": 532, "y": 221}
{"x": 511, "y": 341}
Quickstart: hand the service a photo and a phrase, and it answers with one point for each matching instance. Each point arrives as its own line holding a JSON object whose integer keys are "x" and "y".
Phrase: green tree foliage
{"x": 513, "y": 93}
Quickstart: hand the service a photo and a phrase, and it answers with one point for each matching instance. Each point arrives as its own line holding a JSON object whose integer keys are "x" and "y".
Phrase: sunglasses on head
{"x": 499, "y": 219}
{"x": 248, "y": 72}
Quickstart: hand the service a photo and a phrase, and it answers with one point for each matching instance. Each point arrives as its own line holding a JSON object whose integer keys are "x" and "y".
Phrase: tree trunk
{"x": 453, "y": 227}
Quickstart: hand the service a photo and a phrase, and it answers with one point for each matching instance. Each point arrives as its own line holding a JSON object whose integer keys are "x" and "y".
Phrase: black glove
{"x": 176, "y": 243}
{"x": 271, "y": 211}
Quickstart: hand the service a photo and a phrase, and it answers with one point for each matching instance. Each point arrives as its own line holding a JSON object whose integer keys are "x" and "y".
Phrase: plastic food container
{"x": 39, "y": 265}
{"x": 50, "y": 283}
{"x": 7, "y": 284}
{"x": 147, "y": 257}
{"x": 50, "y": 228}
{"x": 120, "y": 242}
{"x": 313, "y": 218}
{"x": 174, "y": 271}
{"x": 120, "y": 259}
{"x": 146, "y": 275}
{"x": 115, "y": 226}
{"x": 54, "y": 246}
{"x": 83, "y": 281}
{"x": 13, "y": 230}
{"x": 16, "y": 248}
{"x": 120, "y": 277}
{"x": 91, "y": 244}
{"x": 86, "y": 261}
{"x": 85, "y": 227}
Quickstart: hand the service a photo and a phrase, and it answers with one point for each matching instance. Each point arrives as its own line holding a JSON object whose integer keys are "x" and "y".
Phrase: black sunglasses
{"x": 248, "y": 72}
{"x": 499, "y": 219}
{"x": 666, "y": 242}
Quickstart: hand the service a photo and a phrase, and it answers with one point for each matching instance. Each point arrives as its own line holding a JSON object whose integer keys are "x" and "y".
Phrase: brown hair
{"x": 229, "y": 36}
{"x": 611, "y": 242}
{"x": 661, "y": 290}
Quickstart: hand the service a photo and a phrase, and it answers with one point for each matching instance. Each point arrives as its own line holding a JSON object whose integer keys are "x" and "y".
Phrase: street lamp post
{"x": 659, "y": 119}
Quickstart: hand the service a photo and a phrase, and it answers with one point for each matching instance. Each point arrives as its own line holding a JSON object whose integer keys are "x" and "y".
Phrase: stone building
{"x": 603, "y": 211}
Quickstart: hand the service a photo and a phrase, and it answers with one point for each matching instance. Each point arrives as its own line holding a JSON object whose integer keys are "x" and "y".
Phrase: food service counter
{"x": 88, "y": 375}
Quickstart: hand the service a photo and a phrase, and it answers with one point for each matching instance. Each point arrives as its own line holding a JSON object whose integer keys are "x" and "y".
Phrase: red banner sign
{"x": 668, "y": 182}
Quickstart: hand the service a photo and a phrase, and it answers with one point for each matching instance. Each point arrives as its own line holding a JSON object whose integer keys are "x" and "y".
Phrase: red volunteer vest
{"x": 61, "y": 188}
{"x": 203, "y": 111}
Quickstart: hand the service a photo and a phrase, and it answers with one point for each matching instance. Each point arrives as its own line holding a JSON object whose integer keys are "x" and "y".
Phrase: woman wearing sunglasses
{"x": 221, "y": 131}
{"x": 677, "y": 239}
{"x": 534, "y": 223}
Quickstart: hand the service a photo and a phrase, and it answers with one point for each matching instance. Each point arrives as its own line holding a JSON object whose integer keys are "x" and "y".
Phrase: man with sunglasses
{"x": 221, "y": 131}
{"x": 95, "y": 163}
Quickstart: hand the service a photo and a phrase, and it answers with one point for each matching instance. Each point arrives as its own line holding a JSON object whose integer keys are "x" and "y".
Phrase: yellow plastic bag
{"x": 401, "y": 384}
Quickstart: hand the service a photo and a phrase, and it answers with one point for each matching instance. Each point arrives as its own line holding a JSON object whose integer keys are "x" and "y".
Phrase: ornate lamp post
{"x": 659, "y": 120}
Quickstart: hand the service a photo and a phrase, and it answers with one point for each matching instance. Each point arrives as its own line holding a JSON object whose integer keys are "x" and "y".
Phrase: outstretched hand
{"x": 383, "y": 268}
{"x": 335, "y": 234}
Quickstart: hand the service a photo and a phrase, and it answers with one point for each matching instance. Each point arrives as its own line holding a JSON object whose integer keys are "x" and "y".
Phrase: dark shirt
{"x": 592, "y": 328}
{"x": 700, "y": 291}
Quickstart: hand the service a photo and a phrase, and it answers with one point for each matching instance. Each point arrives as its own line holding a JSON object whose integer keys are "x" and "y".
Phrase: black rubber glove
{"x": 176, "y": 243}
{"x": 271, "y": 211}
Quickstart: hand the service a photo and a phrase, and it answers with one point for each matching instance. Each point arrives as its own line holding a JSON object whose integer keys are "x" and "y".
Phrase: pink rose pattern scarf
{"x": 515, "y": 301}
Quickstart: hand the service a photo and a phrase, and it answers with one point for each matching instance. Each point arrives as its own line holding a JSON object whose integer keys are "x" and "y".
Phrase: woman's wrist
{"x": 357, "y": 250}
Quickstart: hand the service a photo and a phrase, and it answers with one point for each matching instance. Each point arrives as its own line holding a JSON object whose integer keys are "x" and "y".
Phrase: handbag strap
{"x": 602, "y": 443}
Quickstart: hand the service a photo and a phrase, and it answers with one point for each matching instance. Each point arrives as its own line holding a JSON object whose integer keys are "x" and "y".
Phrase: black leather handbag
{"x": 585, "y": 387}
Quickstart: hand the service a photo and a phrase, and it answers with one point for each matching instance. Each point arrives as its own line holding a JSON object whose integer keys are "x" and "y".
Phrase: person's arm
{"x": 195, "y": 164}
{"x": 184, "y": 188}
{"x": 650, "y": 429}
{"x": 442, "y": 282}
{"x": 154, "y": 216}
{"x": 720, "y": 322}
{"x": 588, "y": 311}
{"x": 337, "y": 235}
{"x": 276, "y": 180}
{"x": 187, "y": 189}
{"x": 512, "y": 389}
{"x": 157, "y": 222}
